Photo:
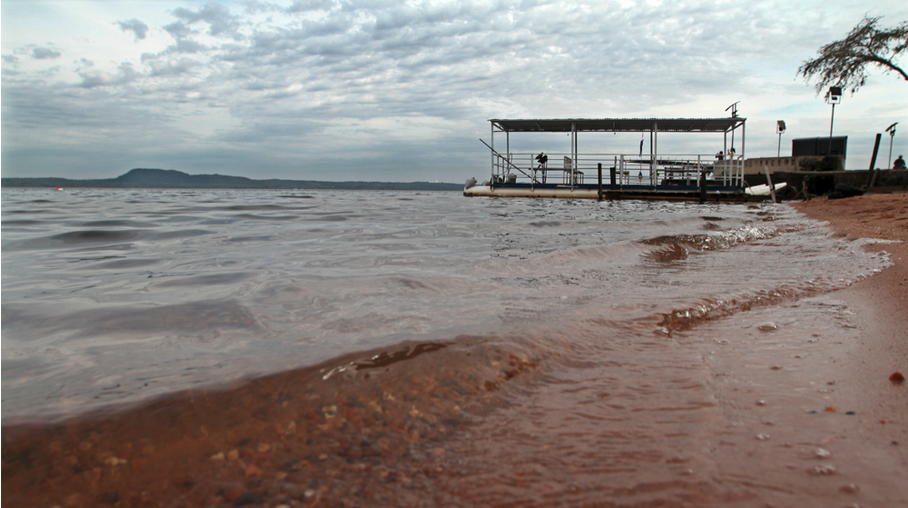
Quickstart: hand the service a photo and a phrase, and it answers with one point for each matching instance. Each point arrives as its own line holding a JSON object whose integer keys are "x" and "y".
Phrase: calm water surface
{"x": 117, "y": 296}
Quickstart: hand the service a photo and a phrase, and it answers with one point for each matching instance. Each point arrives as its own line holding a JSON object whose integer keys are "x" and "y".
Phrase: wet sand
{"x": 811, "y": 419}
{"x": 881, "y": 307}
{"x": 365, "y": 429}
{"x": 434, "y": 424}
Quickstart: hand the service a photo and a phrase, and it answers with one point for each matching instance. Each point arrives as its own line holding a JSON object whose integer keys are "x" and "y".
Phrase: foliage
{"x": 844, "y": 63}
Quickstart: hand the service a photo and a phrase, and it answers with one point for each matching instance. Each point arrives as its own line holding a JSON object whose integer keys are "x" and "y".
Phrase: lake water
{"x": 113, "y": 297}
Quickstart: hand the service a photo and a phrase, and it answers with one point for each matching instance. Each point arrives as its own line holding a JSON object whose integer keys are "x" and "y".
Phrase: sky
{"x": 390, "y": 90}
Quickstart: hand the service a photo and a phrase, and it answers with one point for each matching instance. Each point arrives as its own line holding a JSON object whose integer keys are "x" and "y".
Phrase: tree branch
{"x": 843, "y": 63}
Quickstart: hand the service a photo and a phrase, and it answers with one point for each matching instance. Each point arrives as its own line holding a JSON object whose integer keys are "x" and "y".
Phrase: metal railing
{"x": 631, "y": 170}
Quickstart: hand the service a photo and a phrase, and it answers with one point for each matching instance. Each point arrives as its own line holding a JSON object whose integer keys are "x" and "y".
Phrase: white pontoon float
{"x": 571, "y": 174}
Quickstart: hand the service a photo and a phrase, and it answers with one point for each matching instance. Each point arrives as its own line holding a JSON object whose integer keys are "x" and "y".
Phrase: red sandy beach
{"x": 881, "y": 302}
{"x": 334, "y": 436}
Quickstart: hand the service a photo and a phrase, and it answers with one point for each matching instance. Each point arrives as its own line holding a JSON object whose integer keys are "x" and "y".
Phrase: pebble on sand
{"x": 826, "y": 469}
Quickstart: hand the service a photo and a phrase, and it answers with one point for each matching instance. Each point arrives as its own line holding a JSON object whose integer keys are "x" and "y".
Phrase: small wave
{"x": 673, "y": 248}
{"x": 257, "y": 239}
{"x": 256, "y": 208}
{"x": 585, "y": 254}
{"x": 668, "y": 254}
{"x": 387, "y": 358}
{"x": 688, "y": 317}
{"x": 24, "y": 222}
{"x": 178, "y": 234}
{"x": 249, "y": 216}
{"x": 660, "y": 250}
{"x": 78, "y": 238}
{"x": 712, "y": 240}
{"x": 30, "y": 212}
{"x": 124, "y": 264}
{"x": 328, "y": 218}
{"x": 217, "y": 279}
{"x": 115, "y": 224}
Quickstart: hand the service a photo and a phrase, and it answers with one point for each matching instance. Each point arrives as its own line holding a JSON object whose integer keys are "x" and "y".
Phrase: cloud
{"x": 96, "y": 78}
{"x": 178, "y": 29}
{"x": 41, "y": 53}
{"x": 172, "y": 67}
{"x": 187, "y": 46}
{"x": 274, "y": 83}
{"x": 137, "y": 27}
{"x": 310, "y": 5}
{"x": 218, "y": 17}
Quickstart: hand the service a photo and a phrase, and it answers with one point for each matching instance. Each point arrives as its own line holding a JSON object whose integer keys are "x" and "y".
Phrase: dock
{"x": 646, "y": 174}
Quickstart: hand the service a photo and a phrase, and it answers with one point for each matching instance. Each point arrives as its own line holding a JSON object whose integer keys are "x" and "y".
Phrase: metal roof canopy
{"x": 654, "y": 126}
{"x": 620, "y": 124}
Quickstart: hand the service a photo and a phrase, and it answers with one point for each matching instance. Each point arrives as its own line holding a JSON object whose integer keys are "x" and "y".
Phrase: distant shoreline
{"x": 171, "y": 179}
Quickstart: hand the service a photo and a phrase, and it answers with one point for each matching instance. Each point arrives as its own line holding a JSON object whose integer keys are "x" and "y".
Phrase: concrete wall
{"x": 824, "y": 182}
{"x": 755, "y": 166}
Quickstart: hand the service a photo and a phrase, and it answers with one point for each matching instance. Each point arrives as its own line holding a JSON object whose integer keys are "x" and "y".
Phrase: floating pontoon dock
{"x": 644, "y": 175}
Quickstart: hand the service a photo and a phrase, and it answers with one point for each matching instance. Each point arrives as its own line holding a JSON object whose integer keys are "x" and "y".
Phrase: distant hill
{"x": 172, "y": 179}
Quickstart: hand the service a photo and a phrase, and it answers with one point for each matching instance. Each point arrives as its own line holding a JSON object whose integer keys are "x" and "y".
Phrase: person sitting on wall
{"x": 899, "y": 163}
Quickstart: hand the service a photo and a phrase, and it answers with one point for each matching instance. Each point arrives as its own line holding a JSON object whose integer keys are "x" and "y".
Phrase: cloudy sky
{"x": 392, "y": 90}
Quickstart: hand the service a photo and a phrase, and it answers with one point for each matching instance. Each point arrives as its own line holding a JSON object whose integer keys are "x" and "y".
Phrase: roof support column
{"x": 492, "y": 153}
{"x": 656, "y": 142}
{"x": 741, "y": 172}
{"x": 743, "y": 132}
{"x": 573, "y": 153}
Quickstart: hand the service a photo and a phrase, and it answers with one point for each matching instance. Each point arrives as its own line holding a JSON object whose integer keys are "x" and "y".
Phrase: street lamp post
{"x": 891, "y": 131}
{"x": 780, "y": 128}
{"x": 834, "y": 96}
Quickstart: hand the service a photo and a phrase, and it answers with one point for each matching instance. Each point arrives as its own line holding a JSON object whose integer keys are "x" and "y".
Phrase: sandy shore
{"x": 880, "y": 304}
{"x": 884, "y": 297}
